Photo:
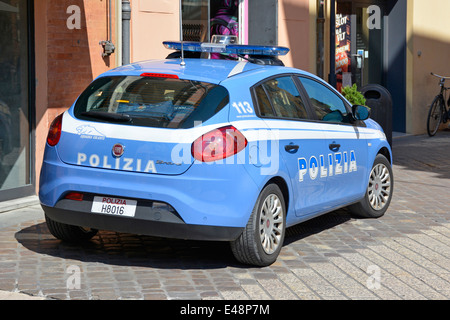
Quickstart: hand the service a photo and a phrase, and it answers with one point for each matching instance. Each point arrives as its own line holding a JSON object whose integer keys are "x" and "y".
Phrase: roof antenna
{"x": 183, "y": 63}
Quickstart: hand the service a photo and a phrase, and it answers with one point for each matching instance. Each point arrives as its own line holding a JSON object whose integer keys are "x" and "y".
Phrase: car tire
{"x": 68, "y": 232}
{"x": 379, "y": 191}
{"x": 262, "y": 239}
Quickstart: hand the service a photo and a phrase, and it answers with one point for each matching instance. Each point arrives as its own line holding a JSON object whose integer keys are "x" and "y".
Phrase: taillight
{"x": 74, "y": 196}
{"x": 54, "y": 133}
{"x": 218, "y": 144}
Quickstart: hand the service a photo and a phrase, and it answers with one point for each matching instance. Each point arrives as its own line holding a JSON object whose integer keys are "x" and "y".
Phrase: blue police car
{"x": 204, "y": 149}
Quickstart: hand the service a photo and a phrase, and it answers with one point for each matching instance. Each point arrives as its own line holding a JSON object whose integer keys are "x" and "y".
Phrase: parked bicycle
{"x": 439, "y": 110}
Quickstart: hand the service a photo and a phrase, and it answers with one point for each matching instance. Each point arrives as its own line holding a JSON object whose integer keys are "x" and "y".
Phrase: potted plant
{"x": 353, "y": 95}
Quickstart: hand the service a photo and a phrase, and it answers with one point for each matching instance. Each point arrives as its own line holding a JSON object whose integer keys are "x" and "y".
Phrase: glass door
{"x": 368, "y": 50}
{"x": 359, "y": 43}
{"x": 15, "y": 154}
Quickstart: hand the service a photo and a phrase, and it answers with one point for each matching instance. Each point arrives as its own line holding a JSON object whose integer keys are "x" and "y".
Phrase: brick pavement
{"x": 403, "y": 255}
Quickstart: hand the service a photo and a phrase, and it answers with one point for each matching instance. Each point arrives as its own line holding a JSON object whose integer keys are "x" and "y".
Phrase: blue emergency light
{"x": 238, "y": 49}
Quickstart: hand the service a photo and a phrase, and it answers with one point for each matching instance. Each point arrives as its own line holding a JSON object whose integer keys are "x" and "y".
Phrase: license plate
{"x": 114, "y": 206}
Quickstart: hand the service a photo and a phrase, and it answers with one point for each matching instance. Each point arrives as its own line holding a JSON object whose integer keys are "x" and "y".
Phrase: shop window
{"x": 201, "y": 19}
{"x": 15, "y": 166}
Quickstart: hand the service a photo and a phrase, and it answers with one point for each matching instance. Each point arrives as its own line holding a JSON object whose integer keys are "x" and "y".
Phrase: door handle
{"x": 291, "y": 147}
{"x": 334, "y": 146}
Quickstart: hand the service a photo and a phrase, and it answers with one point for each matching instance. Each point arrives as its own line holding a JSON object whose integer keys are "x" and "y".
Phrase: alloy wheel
{"x": 271, "y": 224}
{"x": 379, "y": 187}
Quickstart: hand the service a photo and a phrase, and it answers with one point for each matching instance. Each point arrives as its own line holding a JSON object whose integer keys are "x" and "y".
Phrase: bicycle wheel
{"x": 435, "y": 116}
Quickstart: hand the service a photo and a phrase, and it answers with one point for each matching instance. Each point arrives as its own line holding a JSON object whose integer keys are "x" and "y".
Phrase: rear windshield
{"x": 150, "y": 102}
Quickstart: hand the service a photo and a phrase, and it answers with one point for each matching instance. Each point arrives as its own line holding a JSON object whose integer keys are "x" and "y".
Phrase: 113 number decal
{"x": 242, "y": 107}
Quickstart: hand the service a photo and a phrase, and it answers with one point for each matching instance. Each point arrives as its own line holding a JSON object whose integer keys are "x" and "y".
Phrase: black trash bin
{"x": 379, "y": 100}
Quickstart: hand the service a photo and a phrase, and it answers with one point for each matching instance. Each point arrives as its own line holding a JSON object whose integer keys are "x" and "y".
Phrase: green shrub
{"x": 353, "y": 95}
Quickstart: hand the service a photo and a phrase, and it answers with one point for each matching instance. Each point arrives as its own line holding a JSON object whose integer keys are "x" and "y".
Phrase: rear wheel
{"x": 262, "y": 240}
{"x": 379, "y": 191}
{"x": 68, "y": 232}
{"x": 435, "y": 116}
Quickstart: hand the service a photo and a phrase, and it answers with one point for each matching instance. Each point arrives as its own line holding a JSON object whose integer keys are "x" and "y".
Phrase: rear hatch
{"x": 139, "y": 123}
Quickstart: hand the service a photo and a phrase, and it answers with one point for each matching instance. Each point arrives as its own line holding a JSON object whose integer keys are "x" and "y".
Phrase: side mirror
{"x": 360, "y": 112}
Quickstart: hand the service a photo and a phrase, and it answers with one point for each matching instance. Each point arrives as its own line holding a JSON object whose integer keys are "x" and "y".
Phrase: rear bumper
{"x": 212, "y": 202}
{"x": 148, "y": 220}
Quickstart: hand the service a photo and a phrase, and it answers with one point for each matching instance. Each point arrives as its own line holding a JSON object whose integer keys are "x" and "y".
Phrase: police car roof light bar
{"x": 239, "y": 49}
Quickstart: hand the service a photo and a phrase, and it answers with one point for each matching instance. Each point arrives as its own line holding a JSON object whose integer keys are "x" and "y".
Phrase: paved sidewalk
{"x": 17, "y": 204}
{"x": 403, "y": 255}
{"x": 5, "y": 295}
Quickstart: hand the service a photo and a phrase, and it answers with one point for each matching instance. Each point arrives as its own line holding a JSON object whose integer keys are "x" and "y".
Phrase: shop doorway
{"x": 359, "y": 43}
{"x": 371, "y": 49}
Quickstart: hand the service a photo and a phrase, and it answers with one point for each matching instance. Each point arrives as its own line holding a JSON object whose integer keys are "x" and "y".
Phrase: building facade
{"x": 50, "y": 50}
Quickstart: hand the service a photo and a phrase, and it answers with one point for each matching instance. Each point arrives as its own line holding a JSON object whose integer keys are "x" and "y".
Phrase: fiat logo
{"x": 118, "y": 150}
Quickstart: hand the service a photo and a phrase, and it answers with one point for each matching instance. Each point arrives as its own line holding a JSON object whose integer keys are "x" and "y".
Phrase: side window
{"x": 327, "y": 105}
{"x": 280, "y": 98}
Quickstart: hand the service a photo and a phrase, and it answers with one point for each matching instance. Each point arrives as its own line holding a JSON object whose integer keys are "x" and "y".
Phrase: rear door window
{"x": 150, "y": 102}
{"x": 279, "y": 98}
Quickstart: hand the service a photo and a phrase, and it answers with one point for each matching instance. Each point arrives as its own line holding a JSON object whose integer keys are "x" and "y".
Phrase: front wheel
{"x": 379, "y": 191}
{"x": 262, "y": 239}
{"x": 435, "y": 116}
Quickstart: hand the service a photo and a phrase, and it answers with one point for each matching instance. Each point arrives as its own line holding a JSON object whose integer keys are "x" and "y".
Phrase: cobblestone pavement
{"x": 403, "y": 255}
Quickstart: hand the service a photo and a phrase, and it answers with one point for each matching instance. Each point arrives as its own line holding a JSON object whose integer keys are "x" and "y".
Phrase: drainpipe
{"x": 108, "y": 45}
{"x": 126, "y": 17}
{"x": 320, "y": 38}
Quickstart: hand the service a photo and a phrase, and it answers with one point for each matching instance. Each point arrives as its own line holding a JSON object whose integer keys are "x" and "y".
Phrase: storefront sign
{"x": 343, "y": 43}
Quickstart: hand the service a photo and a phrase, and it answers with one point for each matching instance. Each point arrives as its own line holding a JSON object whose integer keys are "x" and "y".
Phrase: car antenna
{"x": 183, "y": 63}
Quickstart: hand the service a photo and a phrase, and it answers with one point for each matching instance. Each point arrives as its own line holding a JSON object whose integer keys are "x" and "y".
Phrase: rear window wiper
{"x": 116, "y": 117}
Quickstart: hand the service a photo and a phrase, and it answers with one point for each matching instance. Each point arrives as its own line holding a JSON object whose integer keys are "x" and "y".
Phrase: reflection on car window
{"x": 265, "y": 108}
{"x": 280, "y": 98}
{"x": 152, "y": 102}
{"x": 327, "y": 105}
